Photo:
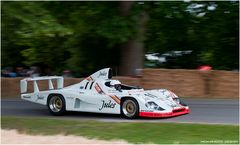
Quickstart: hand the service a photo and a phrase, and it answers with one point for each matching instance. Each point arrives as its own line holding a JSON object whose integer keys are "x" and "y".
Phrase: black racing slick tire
{"x": 56, "y": 104}
{"x": 130, "y": 108}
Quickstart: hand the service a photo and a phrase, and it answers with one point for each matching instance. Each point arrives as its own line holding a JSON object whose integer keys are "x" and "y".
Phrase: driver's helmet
{"x": 114, "y": 82}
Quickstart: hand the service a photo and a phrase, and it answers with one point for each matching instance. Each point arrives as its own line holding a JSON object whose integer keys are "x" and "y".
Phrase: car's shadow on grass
{"x": 91, "y": 115}
{"x": 103, "y": 116}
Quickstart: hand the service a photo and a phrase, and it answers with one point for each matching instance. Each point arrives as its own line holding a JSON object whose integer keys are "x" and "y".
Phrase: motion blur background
{"x": 75, "y": 39}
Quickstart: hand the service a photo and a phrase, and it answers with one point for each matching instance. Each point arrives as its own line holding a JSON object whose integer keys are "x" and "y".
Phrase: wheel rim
{"x": 55, "y": 104}
{"x": 129, "y": 108}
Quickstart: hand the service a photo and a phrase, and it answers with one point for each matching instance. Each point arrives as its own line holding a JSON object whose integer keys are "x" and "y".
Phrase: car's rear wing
{"x": 23, "y": 83}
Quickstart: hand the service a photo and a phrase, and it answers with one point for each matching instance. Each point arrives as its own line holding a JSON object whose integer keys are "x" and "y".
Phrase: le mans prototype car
{"x": 100, "y": 94}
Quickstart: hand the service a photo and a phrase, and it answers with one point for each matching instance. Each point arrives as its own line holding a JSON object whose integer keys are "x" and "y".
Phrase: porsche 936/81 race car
{"x": 100, "y": 94}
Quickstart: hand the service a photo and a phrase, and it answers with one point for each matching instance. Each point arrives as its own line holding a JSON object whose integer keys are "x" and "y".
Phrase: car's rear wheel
{"x": 56, "y": 104}
{"x": 129, "y": 108}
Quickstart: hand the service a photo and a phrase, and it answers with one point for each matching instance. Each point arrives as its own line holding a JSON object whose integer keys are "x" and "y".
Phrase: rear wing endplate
{"x": 23, "y": 83}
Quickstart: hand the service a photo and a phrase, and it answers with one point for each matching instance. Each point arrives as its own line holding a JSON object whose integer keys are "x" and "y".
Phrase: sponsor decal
{"x": 102, "y": 74}
{"x": 107, "y": 105}
{"x": 150, "y": 95}
{"x": 135, "y": 91}
{"x": 112, "y": 91}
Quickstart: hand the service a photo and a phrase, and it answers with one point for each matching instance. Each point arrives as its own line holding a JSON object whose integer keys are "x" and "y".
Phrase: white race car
{"x": 100, "y": 94}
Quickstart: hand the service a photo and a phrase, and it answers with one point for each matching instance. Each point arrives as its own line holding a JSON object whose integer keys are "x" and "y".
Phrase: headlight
{"x": 153, "y": 105}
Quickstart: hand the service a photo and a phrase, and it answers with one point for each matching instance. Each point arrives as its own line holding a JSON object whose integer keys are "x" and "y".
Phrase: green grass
{"x": 132, "y": 132}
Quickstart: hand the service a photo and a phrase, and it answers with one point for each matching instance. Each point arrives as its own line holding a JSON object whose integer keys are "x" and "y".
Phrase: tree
{"x": 210, "y": 29}
{"x": 37, "y": 36}
{"x": 87, "y": 36}
{"x": 132, "y": 51}
{"x": 98, "y": 29}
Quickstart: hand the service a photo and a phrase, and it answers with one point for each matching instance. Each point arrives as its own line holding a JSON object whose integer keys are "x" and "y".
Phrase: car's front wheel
{"x": 129, "y": 108}
{"x": 56, "y": 104}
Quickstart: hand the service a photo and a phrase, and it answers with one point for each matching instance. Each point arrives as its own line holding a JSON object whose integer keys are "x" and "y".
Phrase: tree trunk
{"x": 132, "y": 52}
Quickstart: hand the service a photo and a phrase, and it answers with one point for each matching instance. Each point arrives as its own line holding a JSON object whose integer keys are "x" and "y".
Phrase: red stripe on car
{"x": 175, "y": 112}
{"x": 100, "y": 91}
{"x": 115, "y": 98}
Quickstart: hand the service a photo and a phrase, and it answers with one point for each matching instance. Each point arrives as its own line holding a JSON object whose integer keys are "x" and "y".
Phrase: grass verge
{"x": 135, "y": 132}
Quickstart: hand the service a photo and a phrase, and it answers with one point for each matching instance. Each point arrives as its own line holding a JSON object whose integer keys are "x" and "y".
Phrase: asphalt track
{"x": 212, "y": 111}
